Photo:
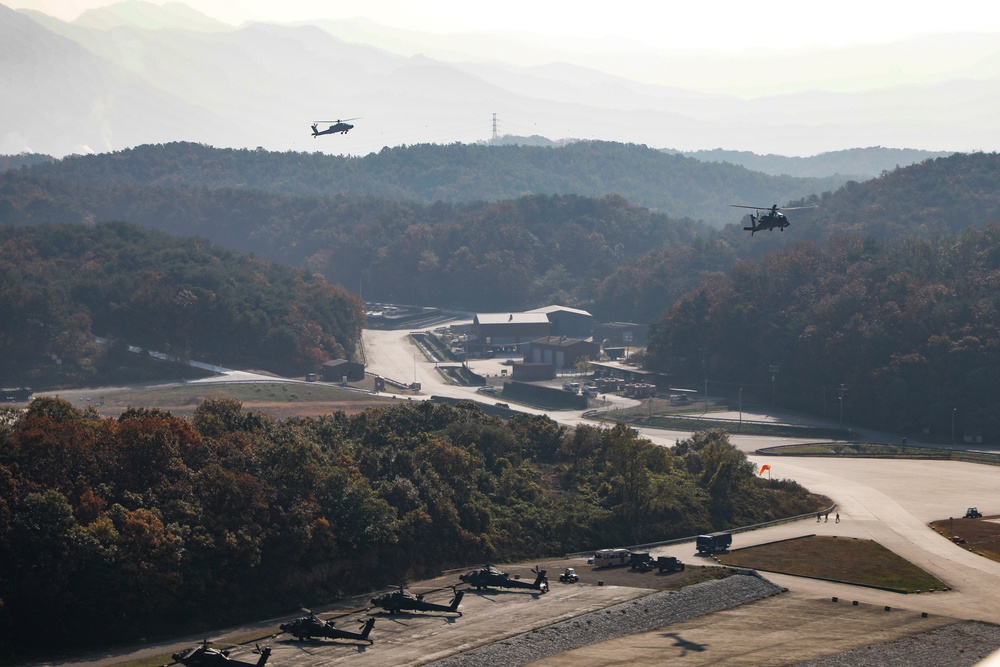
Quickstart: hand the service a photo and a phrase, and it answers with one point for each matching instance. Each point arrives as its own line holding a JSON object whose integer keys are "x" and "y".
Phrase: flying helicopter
{"x": 491, "y": 577}
{"x": 309, "y": 626}
{"x": 204, "y": 656}
{"x": 769, "y": 220}
{"x": 338, "y": 127}
{"x": 398, "y": 600}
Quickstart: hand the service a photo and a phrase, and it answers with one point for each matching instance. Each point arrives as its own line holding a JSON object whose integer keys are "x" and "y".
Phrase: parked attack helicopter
{"x": 338, "y": 127}
{"x": 203, "y": 656}
{"x": 491, "y": 577}
{"x": 769, "y": 220}
{"x": 309, "y": 626}
{"x": 402, "y": 599}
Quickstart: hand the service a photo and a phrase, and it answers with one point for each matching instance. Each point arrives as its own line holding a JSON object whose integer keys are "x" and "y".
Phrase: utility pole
{"x": 774, "y": 371}
{"x": 841, "y": 391}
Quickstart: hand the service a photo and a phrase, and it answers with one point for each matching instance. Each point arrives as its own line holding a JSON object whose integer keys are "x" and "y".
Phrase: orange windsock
{"x": 763, "y": 468}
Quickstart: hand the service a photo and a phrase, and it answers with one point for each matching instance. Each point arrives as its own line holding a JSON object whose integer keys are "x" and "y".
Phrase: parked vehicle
{"x": 569, "y": 576}
{"x": 15, "y": 394}
{"x": 611, "y": 557}
{"x": 669, "y": 564}
{"x": 973, "y": 513}
{"x": 713, "y": 542}
{"x": 571, "y": 386}
{"x": 641, "y": 561}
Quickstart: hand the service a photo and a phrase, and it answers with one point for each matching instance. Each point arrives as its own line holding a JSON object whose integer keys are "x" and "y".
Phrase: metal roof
{"x": 556, "y": 309}
{"x": 511, "y": 318}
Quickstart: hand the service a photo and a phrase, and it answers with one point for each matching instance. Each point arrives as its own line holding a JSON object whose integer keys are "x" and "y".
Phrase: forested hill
{"x": 506, "y": 255}
{"x": 855, "y": 163}
{"x": 152, "y": 526}
{"x": 909, "y": 328}
{"x": 931, "y": 198}
{"x": 64, "y": 285}
{"x": 619, "y": 260}
{"x": 672, "y": 184}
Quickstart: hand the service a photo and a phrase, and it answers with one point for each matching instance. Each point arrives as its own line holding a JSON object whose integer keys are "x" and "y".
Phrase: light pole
{"x": 953, "y": 425}
{"x": 740, "y": 428}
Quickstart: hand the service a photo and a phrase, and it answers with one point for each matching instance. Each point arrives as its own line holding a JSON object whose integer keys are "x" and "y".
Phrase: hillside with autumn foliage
{"x": 901, "y": 334}
{"x": 149, "y": 525}
{"x": 75, "y": 298}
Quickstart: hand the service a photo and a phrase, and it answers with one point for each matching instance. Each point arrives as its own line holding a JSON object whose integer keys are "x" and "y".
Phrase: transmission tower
{"x": 494, "y": 128}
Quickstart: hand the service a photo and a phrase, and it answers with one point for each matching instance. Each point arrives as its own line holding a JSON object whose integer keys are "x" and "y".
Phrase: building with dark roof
{"x": 560, "y": 351}
{"x": 340, "y": 370}
{"x": 492, "y": 330}
{"x": 569, "y": 322}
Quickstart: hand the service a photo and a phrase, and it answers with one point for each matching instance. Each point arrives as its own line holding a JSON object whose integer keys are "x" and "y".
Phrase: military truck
{"x": 713, "y": 542}
{"x": 669, "y": 564}
{"x": 641, "y": 561}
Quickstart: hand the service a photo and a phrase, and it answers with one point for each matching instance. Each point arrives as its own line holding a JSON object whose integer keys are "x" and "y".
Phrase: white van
{"x": 571, "y": 386}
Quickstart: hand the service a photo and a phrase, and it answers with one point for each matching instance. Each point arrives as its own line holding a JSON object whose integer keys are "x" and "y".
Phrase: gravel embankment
{"x": 641, "y": 615}
{"x": 958, "y": 645}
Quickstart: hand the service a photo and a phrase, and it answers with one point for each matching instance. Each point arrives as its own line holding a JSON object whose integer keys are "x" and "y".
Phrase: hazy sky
{"x": 712, "y": 24}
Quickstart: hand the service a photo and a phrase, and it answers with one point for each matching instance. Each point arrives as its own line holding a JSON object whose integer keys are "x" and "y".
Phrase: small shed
{"x": 339, "y": 369}
{"x": 527, "y": 372}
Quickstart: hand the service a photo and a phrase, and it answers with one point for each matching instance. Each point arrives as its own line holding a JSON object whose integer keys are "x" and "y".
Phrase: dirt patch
{"x": 183, "y": 399}
{"x": 844, "y": 559}
{"x": 980, "y": 536}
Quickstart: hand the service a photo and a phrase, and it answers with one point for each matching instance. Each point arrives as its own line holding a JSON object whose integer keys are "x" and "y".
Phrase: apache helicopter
{"x": 491, "y": 577}
{"x": 338, "y": 127}
{"x": 203, "y": 656}
{"x": 769, "y": 220}
{"x": 307, "y": 627}
{"x": 396, "y": 601}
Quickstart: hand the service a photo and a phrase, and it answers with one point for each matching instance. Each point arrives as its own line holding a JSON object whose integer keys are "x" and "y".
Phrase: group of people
{"x": 826, "y": 517}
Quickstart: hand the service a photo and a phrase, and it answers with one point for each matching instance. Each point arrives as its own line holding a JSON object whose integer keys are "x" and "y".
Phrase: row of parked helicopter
{"x": 311, "y": 626}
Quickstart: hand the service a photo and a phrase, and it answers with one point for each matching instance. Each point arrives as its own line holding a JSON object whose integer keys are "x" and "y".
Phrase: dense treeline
{"x": 911, "y": 329}
{"x": 508, "y": 255}
{"x": 64, "y": 285}
{"x": 672, "y": 184}
{"x": 934, "y": 198}
{"x": 149, "y": 525}
{"x": 623, "y": 262}
{"x": 930, "y": 200}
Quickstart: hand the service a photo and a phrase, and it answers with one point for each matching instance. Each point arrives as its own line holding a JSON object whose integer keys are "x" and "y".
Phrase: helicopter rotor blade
{"x": 339, "y": 120}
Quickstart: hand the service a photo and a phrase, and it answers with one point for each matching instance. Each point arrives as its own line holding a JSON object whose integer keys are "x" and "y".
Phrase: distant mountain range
{"x": 137, "y": 73}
